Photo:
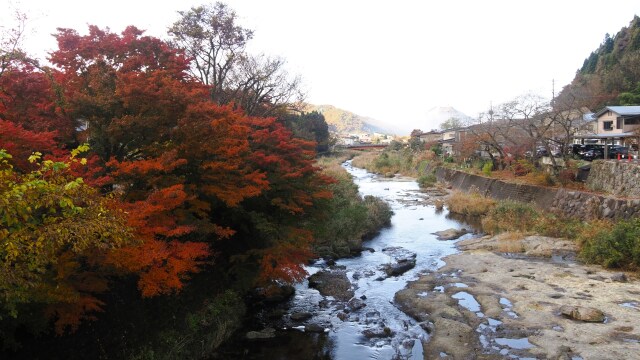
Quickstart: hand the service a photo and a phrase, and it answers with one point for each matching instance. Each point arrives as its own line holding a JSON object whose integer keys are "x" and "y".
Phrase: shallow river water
{"x": 351, "y": 337}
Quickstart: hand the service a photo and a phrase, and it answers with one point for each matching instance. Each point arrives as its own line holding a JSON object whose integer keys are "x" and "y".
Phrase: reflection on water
{"x": 287, "y": 345}
{"x": 378, "y": 330}
{"x": 473, "y": 222}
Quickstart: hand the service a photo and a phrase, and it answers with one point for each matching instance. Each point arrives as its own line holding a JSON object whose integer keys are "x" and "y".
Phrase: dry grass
{"x": 406, "y": 162}
{"x": 365, "y": 160}
{"x": 469, "y": 204}
{"x": 510, "y": 242}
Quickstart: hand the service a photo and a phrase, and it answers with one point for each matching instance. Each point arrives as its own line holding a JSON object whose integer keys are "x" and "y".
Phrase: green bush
{"x": 406, "y": 161}
{"x": 202, "y": 333}
{"x": 487, "y": 168}
{"x": 426, "y": 181}
{"x": 615, "y": 247}
{"x": 558, "y": 226}
{"x": 510, "y": 216}
{"x": 378, "y": 215}
{"x": 347, "y": 218}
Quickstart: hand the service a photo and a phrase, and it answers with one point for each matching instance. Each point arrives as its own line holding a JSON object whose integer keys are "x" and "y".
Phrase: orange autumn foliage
{"x": 284, "y": 261}
{"x": 191, "y": 175}
{"x": 163, "y": 266}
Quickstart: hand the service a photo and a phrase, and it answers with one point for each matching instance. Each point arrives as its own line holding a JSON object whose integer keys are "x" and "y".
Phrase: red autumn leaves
{"x": 186, "y": 171}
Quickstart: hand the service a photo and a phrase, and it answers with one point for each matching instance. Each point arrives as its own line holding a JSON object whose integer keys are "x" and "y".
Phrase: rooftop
{"x": 621, "y": 110}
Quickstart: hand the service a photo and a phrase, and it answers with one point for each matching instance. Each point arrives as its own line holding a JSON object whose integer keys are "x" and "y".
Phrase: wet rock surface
{"x": 332, "y": 282}
{"x": 405, "y": 260}
{"x": 301, "y": 316}
{"x": 538, "y": 306}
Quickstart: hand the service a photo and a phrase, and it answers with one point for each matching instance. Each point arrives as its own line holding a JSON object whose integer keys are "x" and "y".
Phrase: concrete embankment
{"x": 580, "y": 204}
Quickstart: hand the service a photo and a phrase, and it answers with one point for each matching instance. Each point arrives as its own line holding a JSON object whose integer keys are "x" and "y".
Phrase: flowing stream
{"x": 377, "y": 330}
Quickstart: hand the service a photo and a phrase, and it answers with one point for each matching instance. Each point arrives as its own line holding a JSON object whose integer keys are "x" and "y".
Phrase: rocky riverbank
{"x": 533, "y": 301}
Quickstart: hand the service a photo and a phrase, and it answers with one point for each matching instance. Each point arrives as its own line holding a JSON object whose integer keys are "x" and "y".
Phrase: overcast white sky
{"x": 390, "y": 60}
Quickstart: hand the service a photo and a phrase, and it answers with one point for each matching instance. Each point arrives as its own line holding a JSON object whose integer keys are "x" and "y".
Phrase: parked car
{"x": 574, "y": 149}
{"x": 590, "y": 155}
{"x": 540, "y": 152}
{"x": 587, "y": 148}
{"x": 614, "y": 150}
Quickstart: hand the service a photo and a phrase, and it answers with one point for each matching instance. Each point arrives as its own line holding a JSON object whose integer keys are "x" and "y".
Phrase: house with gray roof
{"x": 616, "y": 125}
{"x": 611, "y": 125}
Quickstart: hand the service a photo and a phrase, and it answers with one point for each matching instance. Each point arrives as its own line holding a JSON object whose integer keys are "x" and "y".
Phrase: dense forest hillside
{"x": 344, "y": 121}
{"x": 610, "y": 75}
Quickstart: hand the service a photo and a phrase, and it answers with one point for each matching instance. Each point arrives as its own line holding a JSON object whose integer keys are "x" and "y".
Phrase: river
{"x": 378, "y": 330}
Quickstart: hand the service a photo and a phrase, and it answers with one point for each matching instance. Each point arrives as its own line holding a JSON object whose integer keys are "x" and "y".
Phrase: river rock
{"x": 450, "y": 234}
{"x": 405, "y": 260}
{"x": 267, "y": 333}
{"x": 300, "y": 316}
{"x": 399, "y": 254}
{"x": 399, "y": 268}
{"x": 619, "y": 277}
{"x": 539, "y": 246}
{"x": 279, "y": 294}
{"x": 582, "y": 313}
{"x": 315, "y": 328}
{"x": 377, "y": 333}
{"x": 332, "y": 283}
{"x": 356, "y": 304}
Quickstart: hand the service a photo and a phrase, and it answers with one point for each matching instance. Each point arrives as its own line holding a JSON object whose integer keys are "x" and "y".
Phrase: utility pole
{"x": 490, "y": 111}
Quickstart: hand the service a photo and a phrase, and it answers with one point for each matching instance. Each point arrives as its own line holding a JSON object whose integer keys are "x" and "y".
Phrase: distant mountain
{"x": 343, "y": 121}
{"x": 437, "y": 115}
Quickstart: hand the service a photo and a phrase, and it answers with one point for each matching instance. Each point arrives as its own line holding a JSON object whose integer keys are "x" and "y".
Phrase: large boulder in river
{"x": 300, "y": 316}
{"x": 582, "y": 313}
{"x": 450, "y": 234}
{"x": 332, "y": 283}
{"x": 278, "y": 294}
{"x": 405, "y": 260}
{"x": 399, "y": 268}
{"x": 356, "y": 304}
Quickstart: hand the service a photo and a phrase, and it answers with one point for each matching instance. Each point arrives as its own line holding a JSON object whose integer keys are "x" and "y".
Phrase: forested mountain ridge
{"x": 610, "y": 75}
{"x": 343, "y": 121}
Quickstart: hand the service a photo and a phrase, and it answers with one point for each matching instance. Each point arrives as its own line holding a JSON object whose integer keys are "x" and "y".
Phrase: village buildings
{"x": 612, "y": 125}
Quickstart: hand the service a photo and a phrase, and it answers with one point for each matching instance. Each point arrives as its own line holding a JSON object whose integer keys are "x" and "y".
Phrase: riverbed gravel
{"x": 524, "y": 301}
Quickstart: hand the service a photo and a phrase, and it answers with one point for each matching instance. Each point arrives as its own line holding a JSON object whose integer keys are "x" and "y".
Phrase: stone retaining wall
{"x": 620, "y": 178}
{"x": 578, "y": 204}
